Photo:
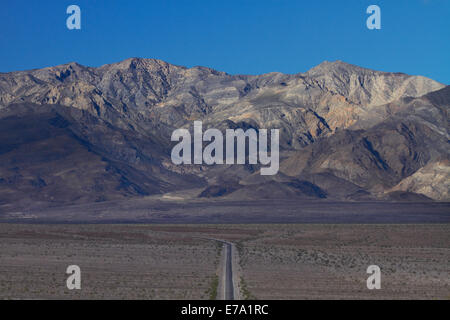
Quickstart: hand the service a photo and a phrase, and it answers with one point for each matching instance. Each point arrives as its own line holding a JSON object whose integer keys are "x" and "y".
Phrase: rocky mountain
{"x": 76, "y": 134}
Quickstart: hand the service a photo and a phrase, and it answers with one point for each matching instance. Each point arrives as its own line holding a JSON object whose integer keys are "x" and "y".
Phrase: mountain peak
{"x": 70, "y": 65}
{"x": 337, "y": 66}
{"x": 141, "y": 63}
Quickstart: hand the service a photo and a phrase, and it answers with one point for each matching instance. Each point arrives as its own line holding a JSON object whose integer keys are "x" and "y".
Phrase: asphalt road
{"x": 227, "y": 267}
{"x": 229, "y": 288}
{"x": 226, "y": 278}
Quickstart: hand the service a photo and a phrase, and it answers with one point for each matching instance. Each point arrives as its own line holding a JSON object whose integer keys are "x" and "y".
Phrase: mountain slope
{"x": 73, "y": 134}
{"x": 51, "y": 153}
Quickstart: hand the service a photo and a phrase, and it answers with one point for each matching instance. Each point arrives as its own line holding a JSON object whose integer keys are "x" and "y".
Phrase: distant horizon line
{"x": 217, "y": 70}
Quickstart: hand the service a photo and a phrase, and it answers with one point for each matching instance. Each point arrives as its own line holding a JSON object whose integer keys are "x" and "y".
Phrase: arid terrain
{"x": 330, "y": 261}
{"x": 116, "y": 261}
{"x": 275, "y": 261}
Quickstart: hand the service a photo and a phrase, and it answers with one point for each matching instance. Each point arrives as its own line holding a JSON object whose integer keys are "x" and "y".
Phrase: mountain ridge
{"x": 346, "y": 132}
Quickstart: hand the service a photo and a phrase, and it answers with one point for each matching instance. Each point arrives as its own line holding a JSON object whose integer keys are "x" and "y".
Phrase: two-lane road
{"x": 228, "y": 270}
{"x": 226, "y": 279}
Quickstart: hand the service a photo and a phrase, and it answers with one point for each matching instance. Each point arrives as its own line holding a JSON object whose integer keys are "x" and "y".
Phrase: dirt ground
{"x": 116, "y": 261}
{"x": 276, "y": 261}
{"x": 330, "y": 261}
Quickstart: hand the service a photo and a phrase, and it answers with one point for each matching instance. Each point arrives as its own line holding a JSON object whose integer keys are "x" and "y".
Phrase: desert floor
{"x": 275, "y": 261}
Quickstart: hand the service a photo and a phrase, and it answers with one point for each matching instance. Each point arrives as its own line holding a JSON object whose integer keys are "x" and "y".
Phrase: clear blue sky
{"x": 238, "y": 37}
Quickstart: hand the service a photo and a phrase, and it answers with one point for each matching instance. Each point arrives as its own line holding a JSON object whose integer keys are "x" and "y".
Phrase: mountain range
{"x": 74, "y": 134}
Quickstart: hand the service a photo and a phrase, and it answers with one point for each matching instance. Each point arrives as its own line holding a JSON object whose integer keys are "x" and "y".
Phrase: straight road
{"x": 228, "y": 269}
{"x": 226, "y": 278}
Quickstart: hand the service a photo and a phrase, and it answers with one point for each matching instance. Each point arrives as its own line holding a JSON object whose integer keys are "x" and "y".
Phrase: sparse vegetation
{"x": 175, "y": 262}
{"x": 117, "y": 262}
{"x": 212, "y": 291}
{"x": 330, "y": 261}
{"x": 246, "y": 294}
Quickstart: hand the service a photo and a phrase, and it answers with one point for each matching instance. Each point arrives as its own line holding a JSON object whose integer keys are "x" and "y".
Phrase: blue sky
{"x": 238, "y": 37}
